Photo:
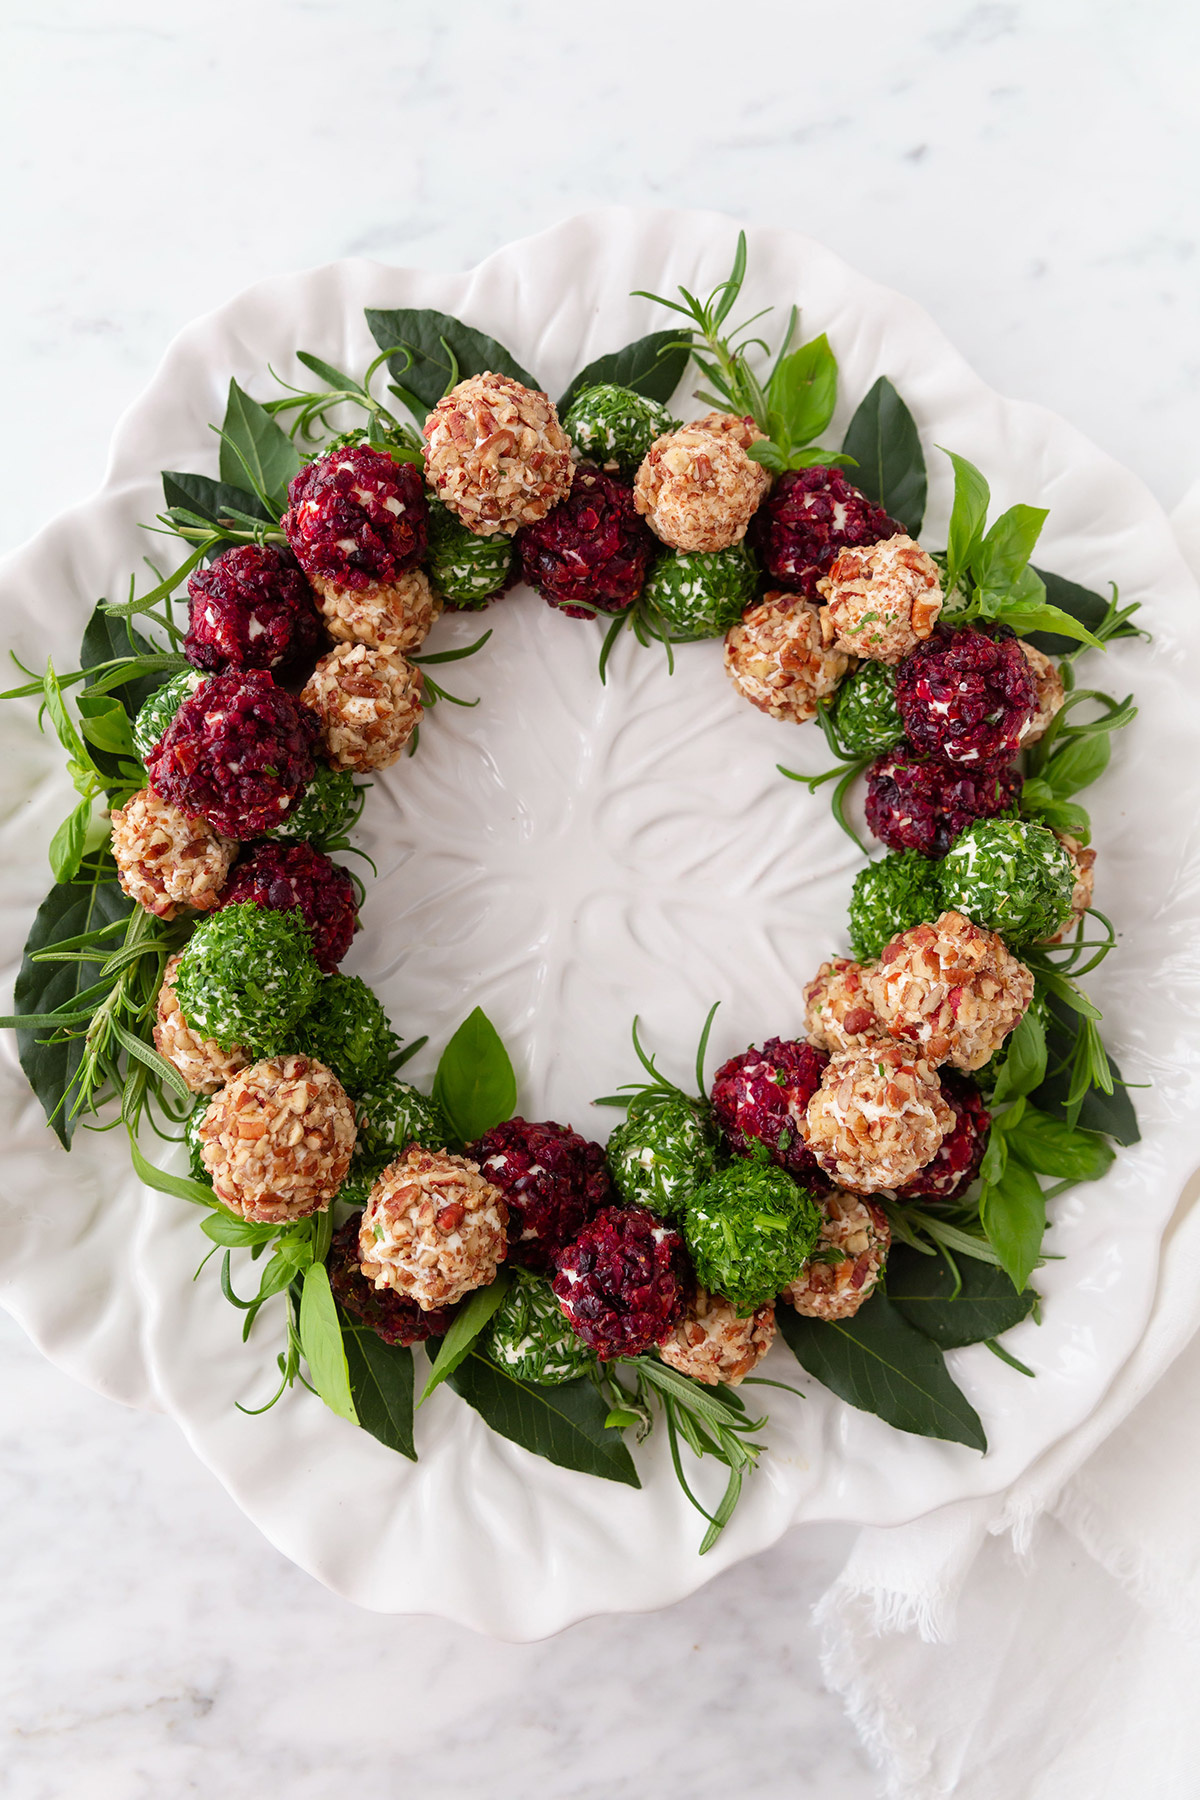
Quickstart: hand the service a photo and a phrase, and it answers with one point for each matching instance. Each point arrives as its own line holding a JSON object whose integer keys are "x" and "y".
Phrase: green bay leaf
{"x": 564, "y": 1424}
{"x": 443, "y": 351}
{"x": 381, "y": 1386}
{"x": 981, "y": 1305}
{"x": 651, "y": 365}
{"x": 883, "y": 439}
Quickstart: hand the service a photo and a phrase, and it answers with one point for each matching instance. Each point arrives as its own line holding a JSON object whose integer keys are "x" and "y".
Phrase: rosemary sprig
{"x": 639, "y": 1097}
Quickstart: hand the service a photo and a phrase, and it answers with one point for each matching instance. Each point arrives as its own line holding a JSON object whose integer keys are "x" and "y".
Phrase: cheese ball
{"x": 591, "y": 551}
{"x": 890, "y": 895}
{"x": 433, "y": 1228}
{"x": 246, "y": 977}
{"x": 960, "y": 1152}
{"x": 1083, "y": 869}
{"x": 698, "y": 489}
{"x": 740, "y": 428}
{"x": 496, "y": 455}
{"x": 776, "y": 658}
{"x": 614, "y": 427}
{"x": 391, "y": 1316}
{"x": 327, "y": 808}
{"x": 204, "y": 1065}
{"x": 712, "y": 1344}
{"x": 295, "y": 877}
{"x": 967, "y": 696}
{"x": 394, "y": 1114}
{"x": 865, "y": 714}
{"x": 662, "y": 1155}
{"x": 704, "y": 594}
{"x": 356, "y": 518}
{"x": 530, "y": 1338}
{"x": 251, "y": 609}
{"x": 392, "y": 615}
{"x": 346, "y": 1027}
{"x": 919, "y": 802}
{"x": 466, "y": 570}
{"x": 1010, "y": 875}
{"x": 277, "y": 1140}
{"x": 810, "y": 517}
{"x": 624, "y": 1281}
{"x": 845, "y": 1267}
{"x": 881, "y": 601}
{"x": 838, "y": 1014}
{"x": 760, "y": 1098}
{"x": 951, "y": 989}
{"x": 367, "y": 703}
{"x": 877, "y": 1117}
{"x": 165, "y": 859}
{"x": 1050, "y": 692}
{"x": 156, "y": 713}
{"x": 750, "y": 1230}
{"x": 553, "y": 1181}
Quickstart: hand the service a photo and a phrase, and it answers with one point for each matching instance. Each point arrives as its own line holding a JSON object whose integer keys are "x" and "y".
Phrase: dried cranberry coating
{"x": 967, "y": 696}
{"x": 357, "y": 518}
{"x": 287, "y": 876}
{"x": 623, "y": 1284}
{"x": 917, "y": 802}
{"x": 957, "y": 1162}
{"x": 808, "y": 518}
{"x": 252, "y": 609}
{"x": 239, "y": 752}
{"x": 552, "y": 1180}
{"x": 392, "y": 1316}
{"x": 762, "y": 1096}
{"x": 591, "y": 551}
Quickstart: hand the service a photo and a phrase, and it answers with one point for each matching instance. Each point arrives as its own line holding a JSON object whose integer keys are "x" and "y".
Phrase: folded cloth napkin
{"x": 1046, "y": 1641}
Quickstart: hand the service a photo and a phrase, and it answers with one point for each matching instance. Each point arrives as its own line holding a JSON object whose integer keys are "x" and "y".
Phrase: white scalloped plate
{"x": 569, "y": 854}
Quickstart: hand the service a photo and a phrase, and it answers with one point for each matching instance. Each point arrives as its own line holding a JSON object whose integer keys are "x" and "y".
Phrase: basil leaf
{"x": 564, "y": 1424}
{"x": 882, "y": 438}
{"x": 1012, "y": 1212}
{"x": 967, "y": 516}
{"x": 1081, "y": 761}
{"x": 1113, "y": 1114}
{"x": 979, "y": 1305}
{"x": 443, "y": 350}
{"x": 226, "y": 1229}
{"x": 381, "y": 1386}
{"x": 1005, "y": 551}
{"x": 1079, "y": 603}
{"x": 212, "y": 500}
{"x": 69, "y": 841}
{"x": 803, "y": 391}
{"x": 1032, "y": 620}
{"x": 880, "y": 1363}
{"x": 1050, "y": 1146}
{"x": 321, "y": 1341}
{"x": 475, "y": 1085}
{"x": 255, "y": 450}
{"x": 1037, "y": 802}
{"x": 1024, "y": 1064}
{"x": 651, "y": 365}
{"x": 466, "y": 1326}
{"x": 105, "y": 724}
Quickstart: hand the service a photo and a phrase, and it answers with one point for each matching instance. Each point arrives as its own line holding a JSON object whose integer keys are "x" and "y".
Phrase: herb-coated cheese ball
{"x": 704, "y": 594}
{"x": 325, "y": 810}
{"x": 775, "y": 657}
{"x": 277, "y": 1140}
{"x": 394, "y": 615}
{"x": 967, "y": 696}
{"x": 845, "y": 1267}
{"x": 1011, "y": 876}
{"x": 552, "y": 1180}
{"x": 356, "y": 518}
{"x": 760, "y": 1098}
{"x": 865, "y": 712}
{"x": 433, "y": 1228}
{"x": 347, "y": 1028}
{"x": 467, "y": 570}
{"x": 960, "y": 1152}
{"x": 919, "y": 802}
{"x": 811, "y": 516}
{"x": 750, "y": 1230}
{"x": 712, "y": 1343}
{"x": 204, "y": 1065}
{"x": 1083, "y": 867}
{"x": 367, "y": 704}
{"x": 614, "y": 427}
{"x": 156, "y": 713}
{"x": 952, "y": 989}
{"x": 624, "y": 1281}
{"x": 251, "y": 609}
{"x": 295, "y": 877}
{"x": 590, "y": 553}
{"x": 877, "y": 1117}
{"x": 166, "y": 860}
{"x": 1050, "y": 692}
{"x": 496, "y": 455}
{"x": 191, "y": 1138}
{"x": 837, "y": 1007}
{"x": 890, "y": 895}
{"x": 391, "y": 1316}
{"x": 660, "y": 1156}
{"x": 530, "y": 1338}
{"x": 698, "y": 489}
{"x": 395, "y": 1114}
{"x": 246, "y": 978}
{"x": 880, "y": 602}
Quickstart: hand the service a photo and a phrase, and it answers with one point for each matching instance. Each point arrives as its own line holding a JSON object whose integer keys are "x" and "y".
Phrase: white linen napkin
{"x": 1046, "y": 1642}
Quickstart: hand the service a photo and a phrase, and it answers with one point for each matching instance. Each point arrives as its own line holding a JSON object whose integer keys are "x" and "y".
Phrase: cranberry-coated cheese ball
{"x": 960, "y": 1152}
{"x": 277, "y": 1141}
{"x": 761, "y": 1097}
{"x": 917, "y": 802}
{"x": 967, "y": 696}
{"x": 433, "y": 1228}
{"x": 712, "y": 1344}
{"x": 1050, "y": 692}
{"x": 356, "y": 519}
{"x": 200, "y": 1060}
{"x": 496, "y": 455}
{"x": 624, "y": 1282}
{"x": 882, "y": 601}
{"x": 552, "y": 1180}
{"x": 698, "y": 489}
{"x": 846, "y": 1265}
{"x": 391, "y": 1316}
{"x": 591, "y": 552}
{"x": 837, "y": 1007}
{"x": 165, "y": 859}
{"x": 877, "y": 1117}
{"x": 367, "y": 703}
{"x": 812, "y": 515}
{"x": 952, "y": 989}
{"x": 394, "y": 615}
{"x": 776, "y": 658}
{"x": 251, "y": 609}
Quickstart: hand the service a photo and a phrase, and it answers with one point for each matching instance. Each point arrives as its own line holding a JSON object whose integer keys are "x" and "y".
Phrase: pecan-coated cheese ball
{"x": 880, "y": 601}
{"x": 952, "y": 989}
{"x": 698, "y": 489}
{"x": 845, "y": 1267}
{"x": 877, "y": 1117}
{"x": 368, "y": 703}
{"x": 278, "y": 1139}
{"x": 165, "y": 859}
{"x": 496, "y": 455}
{"x": 712, "y": 1344}
{"x": 837, "y": 1007}
{"x": 433, "y": 1228}
{"x": 1083, "y": 863}
{"x": 394, "y": 615}
{"x": 1050, "y": 692}
{"x": 741, "y": 429}
{"x": 775, "y": 657}
{"x": 200, "y": 1060}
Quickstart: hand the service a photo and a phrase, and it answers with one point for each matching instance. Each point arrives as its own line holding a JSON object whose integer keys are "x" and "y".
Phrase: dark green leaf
{"x": 882, "y": 438}
{"x": 475, "y": 1084}
{"x": 1078, "y": 603}
{"x": 1112, "y": 1114}
{"x": 444, "y": 351}
{"x": 980, "y": 1304}
{"x": 468, "y": 1322}
{"x": 255, "y": 451}
{"x": 105, "y": 639}
{"x": 803, "y": 391}
{"x": 1024, "y": 1064}
{"x": 381, "y": 1385}
{"x": 651, "y": 365}
{"x": 565, "y": 1424}
{"x": 321, "y": 1341}
{"x": 880, "y": 1363}
{"x": 67, "y": 844}
{"x": 967, "y": 517}
{"x": 1050, "y": 1146}
{"x": 1013, "y": 1214}
{"x": 212, "y": 500}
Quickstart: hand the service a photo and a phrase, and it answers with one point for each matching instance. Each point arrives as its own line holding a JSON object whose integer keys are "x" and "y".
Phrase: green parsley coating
{"x": 750, "y": 1231}
{"x": 704, "y": 593}
{"x": 659, "y": 1157}
{"x": 889, "y": 896}
{"x": 865, "y": 713}
{"x": 347, "y": 1029}
{"x": 325, "y": 810}
{"x": 246, "y": 977}
{"x": 1010, "y": 876}
{"x": 156, "y": 713}
{"x": 466, "y": 569}
{"x": 614, "y": 427}
{"x": 530, "y": 1337}
{"x": 396, "y": 1114}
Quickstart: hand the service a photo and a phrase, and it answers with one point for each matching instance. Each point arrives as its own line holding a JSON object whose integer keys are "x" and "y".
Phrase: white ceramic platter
{"x": 568, "y": 855}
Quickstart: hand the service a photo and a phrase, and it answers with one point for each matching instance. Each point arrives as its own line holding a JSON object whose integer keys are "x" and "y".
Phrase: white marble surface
{"x": 1027, "y": 173}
